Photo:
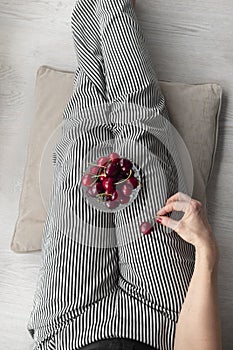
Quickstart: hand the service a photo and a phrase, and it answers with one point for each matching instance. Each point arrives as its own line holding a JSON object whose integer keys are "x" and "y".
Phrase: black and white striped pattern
{"x": 99, "y": 277}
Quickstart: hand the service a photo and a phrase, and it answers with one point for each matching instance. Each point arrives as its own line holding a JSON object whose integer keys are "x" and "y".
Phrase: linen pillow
{"x": 194, "y": 111}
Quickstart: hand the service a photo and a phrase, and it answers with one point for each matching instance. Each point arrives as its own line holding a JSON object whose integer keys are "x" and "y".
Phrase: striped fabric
{"x": 99, "y": 277}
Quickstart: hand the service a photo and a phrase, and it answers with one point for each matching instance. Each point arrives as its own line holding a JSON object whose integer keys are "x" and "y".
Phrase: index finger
{"x": 174, "y": 205}
{"x": 178, "y": 196}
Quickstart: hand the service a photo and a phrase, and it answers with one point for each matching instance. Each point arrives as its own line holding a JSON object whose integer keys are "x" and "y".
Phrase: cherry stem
{"x": 93, "y": 182}
{"x": 101, "y": 166}
{"x": 98, "y": 175}
{"x": 104, "y": 194}
{"x": 130, "y": 172}
{"x": 156, "y": 216}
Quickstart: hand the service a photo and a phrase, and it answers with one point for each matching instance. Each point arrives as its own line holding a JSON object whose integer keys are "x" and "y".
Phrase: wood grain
{"x": 190, "y": 41}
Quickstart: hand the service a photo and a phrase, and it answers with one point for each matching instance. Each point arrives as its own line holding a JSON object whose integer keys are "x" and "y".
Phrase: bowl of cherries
{"x": 111, "y": 182}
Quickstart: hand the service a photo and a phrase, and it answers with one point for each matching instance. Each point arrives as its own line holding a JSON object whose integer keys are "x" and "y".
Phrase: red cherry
{"x": 112, "y": 169}
{"x": 116, "y": 161}
{"x": 132, "y": 181}
{"x": 102, "y": 161}
{"x": 108, "y": 183}
{"x": 114, "y": 157}
{"x": 124, "y": 199}
{"x": 112, "y": 204}
{"x": 110, "y": 190}
{"x": 97, "y": 188}
{"x": 126, "y": 190}
{"x": 126, "y": 174}
{"x": 125, "y": 164}
{"x": 146, "y": 228}
{"x": 114, "y": 196}
{"x": 102, "y": 176}
{"x": 90, "y": 192}
{"x": 87, "y": 180}
{"x": 94, "y": 170}
{"x": 123, "y": 175}
{"x": 119, "y": 177}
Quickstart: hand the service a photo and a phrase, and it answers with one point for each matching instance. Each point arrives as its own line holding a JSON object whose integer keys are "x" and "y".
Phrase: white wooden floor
{"x": 191, "y": 41}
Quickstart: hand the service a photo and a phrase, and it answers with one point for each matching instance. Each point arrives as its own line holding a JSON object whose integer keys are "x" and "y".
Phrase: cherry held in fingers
{"x": 146, "y": 228}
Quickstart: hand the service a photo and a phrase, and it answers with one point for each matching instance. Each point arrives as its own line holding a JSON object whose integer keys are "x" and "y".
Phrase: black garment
{"x": 118, "y": 344}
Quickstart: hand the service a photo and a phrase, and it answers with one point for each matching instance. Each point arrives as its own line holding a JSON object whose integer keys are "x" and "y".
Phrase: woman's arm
{"x": 198, "y": 326}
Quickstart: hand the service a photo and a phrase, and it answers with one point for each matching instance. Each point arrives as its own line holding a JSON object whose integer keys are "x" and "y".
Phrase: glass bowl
{"x": 100, "y": 200}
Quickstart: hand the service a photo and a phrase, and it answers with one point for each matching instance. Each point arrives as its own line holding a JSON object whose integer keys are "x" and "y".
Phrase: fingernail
{"x": 159, "y": 220}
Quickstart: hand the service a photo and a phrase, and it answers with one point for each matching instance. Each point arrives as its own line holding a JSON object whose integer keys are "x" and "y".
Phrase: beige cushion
{"x": 194, "y": 111}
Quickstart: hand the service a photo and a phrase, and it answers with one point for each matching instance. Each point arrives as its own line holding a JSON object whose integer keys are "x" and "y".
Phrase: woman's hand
{"x": 199, "y": 325}
{"x": 194, "y": 227}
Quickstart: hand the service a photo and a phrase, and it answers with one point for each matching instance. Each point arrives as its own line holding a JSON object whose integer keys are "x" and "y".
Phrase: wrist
{"x": 208, "y": 253}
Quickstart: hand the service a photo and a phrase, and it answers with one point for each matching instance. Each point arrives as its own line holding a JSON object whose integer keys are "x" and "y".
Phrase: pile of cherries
{"x": 111, "y": 180}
